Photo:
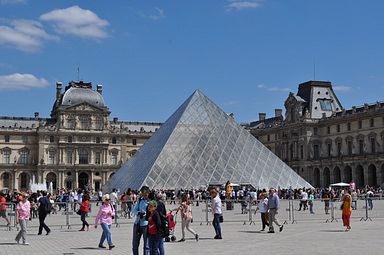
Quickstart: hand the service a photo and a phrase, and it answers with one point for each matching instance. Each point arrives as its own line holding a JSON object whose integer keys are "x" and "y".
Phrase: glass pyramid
{"x": 201, "y": 145}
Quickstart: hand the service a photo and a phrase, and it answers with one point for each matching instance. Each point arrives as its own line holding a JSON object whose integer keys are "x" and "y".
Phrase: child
{"x": 154, "y": 228}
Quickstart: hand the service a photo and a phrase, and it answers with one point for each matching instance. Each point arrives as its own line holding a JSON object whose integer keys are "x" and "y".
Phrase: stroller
{"x": 172, "y": 225}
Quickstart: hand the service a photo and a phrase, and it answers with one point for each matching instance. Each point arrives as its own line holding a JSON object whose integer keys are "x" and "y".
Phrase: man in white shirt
{"x": 216, "y": 211}
{"x": 303, "y": 200}
{"x": 114, "y": 198}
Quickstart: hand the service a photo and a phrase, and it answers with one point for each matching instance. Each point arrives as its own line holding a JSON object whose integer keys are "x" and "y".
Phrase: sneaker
{"x": 111, "y": 247}
{"x": 102, "y": 246}
{"x": 17, "y": 241}
{"x": 181, "y": 240}
{"x": 197, "y": 237}
{"x": 25, "y": 243}
{"x": 281, "y": 228}
{"x": 217, "y": 237}
{"x": 271, "y": 231}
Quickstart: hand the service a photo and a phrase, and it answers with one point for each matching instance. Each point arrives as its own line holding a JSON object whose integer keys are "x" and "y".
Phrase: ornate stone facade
{"x": 79, "y": 146}
{"x": 324, "y": 142}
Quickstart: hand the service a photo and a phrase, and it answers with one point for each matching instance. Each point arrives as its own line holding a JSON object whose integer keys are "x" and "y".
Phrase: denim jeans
{"x": 154, "y": 244}
{"x": 370, "y": 204}
{"x": 161, "y": 247}
{"x": 136, "y": 240}
{"x": 106, "y": 234}
{"x": 216, "y": 224}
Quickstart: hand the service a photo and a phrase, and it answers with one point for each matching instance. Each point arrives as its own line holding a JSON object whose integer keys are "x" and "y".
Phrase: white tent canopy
{"x": 340, "y": 184}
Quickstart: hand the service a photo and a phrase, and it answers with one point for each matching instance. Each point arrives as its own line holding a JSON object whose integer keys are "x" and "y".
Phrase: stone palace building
{"x": 77, "y": 147}
{"x": 322, "y": 141}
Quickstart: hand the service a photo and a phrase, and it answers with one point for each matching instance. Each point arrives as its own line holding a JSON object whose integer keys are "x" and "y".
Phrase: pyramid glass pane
{"x": 201, "y": 145}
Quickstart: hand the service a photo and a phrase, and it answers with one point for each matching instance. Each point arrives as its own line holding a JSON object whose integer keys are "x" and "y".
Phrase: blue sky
{"x": 151, "y": 55}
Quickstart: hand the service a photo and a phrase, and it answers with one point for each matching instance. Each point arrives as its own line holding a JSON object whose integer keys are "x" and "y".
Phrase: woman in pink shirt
{"x": 22, "y": 215}
{"x": 104, "y": 216}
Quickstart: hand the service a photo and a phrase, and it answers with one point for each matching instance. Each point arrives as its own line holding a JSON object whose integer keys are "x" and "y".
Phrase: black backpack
{"x": 164, "y": 220}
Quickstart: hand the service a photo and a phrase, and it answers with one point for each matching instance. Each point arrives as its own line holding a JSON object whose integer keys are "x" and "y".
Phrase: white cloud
{"x": 342, "y": 88}
{"x": 158, "y": 15}
{"x": 25, "y": 35}
{"x": 18, "y": 81}
{"x": 77, "y": 21}
{"x": 273, "y": 89}
{"x": 238, "y": 5}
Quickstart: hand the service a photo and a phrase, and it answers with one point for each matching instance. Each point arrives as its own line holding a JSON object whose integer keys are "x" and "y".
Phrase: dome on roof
{"x": 76, "y": 95}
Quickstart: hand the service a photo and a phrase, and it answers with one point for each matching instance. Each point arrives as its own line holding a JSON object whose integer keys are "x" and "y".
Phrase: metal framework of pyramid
{"x": 201, "y": 145}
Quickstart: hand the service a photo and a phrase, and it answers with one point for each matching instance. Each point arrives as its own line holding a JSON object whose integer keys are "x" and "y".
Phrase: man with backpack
{"x": 44, "y": 208}
{"x": 160, "y": 208}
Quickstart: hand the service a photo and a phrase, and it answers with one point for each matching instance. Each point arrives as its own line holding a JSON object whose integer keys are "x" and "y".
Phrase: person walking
{"x": 354, "y": 199}
{"x": 262, "y": 206}
{"x": 273, "y": 206}
{"x": 141, "y": 224}
{"x": 311, "y": 201}
{"x": 217, "y": 213}
{"x": 83, "y": 210}
{"x": 369, "y": 197}
{"x": 23, "y": 210}
{"x": 346, "y": 210}
{"x": 104, "y": 217}
{"x": 3, "y": 208}
{"x": 114, "y": 198}
{"x": 44, "y": 209}
{"x": 186, "y": 218}
{"x": 154, "y": 228}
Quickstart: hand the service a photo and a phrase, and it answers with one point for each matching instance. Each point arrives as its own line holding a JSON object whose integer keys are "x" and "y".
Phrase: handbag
{"x": 221, "y": 219}
{"x": 113, "y": 217}
{"x": 78, "y": 212}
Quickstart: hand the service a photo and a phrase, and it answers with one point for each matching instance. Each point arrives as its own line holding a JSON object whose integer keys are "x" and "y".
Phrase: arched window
{"x": 114, "y": 140}
{"x": 99, "y": 123}
{"x": 51, "y": 139}
{"x": 85, "y": 122}
{"x": 6, "y": 156}
{"x": 83, "y": 156}
{"x": 24, "y": 181}
{"x": 5, "y": 178}
{"x": 114, "y": 158}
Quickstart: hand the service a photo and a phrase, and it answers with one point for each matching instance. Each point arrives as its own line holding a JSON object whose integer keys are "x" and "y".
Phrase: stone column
{"x": 91, "y": 180}
{"x": 76, "y": 181}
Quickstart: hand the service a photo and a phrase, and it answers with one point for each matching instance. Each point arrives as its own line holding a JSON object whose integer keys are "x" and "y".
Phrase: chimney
{"x": 37, "y": 115}
{"x": 262, "y": 116}
{"x": 59, "y": 85}
{"x": 278, "y": 113}
{"x": 100, "y": 89}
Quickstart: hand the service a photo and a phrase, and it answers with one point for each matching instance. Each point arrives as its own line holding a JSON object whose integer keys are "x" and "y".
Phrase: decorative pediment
{"x": 85, "y": 107}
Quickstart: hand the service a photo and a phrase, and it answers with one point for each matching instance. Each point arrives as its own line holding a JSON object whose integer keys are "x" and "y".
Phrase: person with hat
{"x": 22, "y": 215}
{"x": 140, "y": 225}
{"x": 104, "y": 217}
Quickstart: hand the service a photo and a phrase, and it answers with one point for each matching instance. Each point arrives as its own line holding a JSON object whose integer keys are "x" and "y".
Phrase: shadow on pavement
{"x": 252, "y": 232}
{"x": 88, "y": 248}
{"x": 333, "y": 230}
{"x": 9, "y": 244}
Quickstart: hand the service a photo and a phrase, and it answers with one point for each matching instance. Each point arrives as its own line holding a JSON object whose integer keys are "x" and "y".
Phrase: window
{"x": 361, "y": 146}
{"x": 98, "y": 158}
{"x": 325, "y": 104}
{"x": 315, "y": 131}
{"x": 6, "y": 156}
{"x": 349, "y": 126}
{"x": 328, "y": 130}
{"x": 113, "y": 140}
{"x": 70, "y": 139}
{"x": 83, "y": 156}
{"x": 360, "y": 124}
{"x": 338, "y": 128}
{"x": 97, "y": 139}
{"x": 372, "y": 122}
{"x": 51, "y": 157}
{"x": 301, "y": 151}
{"x": 269, "y": 138}
{"x": 71, "y": 123}
{"x": 316, "y": 151}
{"x": 114, "y": 158}
{"x": 373, "y": 145}
{"x": 24, "y": 157}
{"x": 338, "y": 149}
{"x": 51, "y": 139}
{"x": 99, "y": 123}
{"x": 350, "y": 146}
{"x": 134, "y": 141}
{"x": 7, "y": 138}
{"x": 69, "y": 157}
{"x": 329, "y": 149}
{"x": 84, "y": 122}
{"x": 24, "y": 139}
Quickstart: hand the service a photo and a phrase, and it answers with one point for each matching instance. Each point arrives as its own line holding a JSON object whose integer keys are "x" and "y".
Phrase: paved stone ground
{"x": 310, "y": 235}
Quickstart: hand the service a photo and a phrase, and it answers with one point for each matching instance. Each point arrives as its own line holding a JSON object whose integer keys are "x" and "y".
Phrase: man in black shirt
{"x": 44, "y": 209}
